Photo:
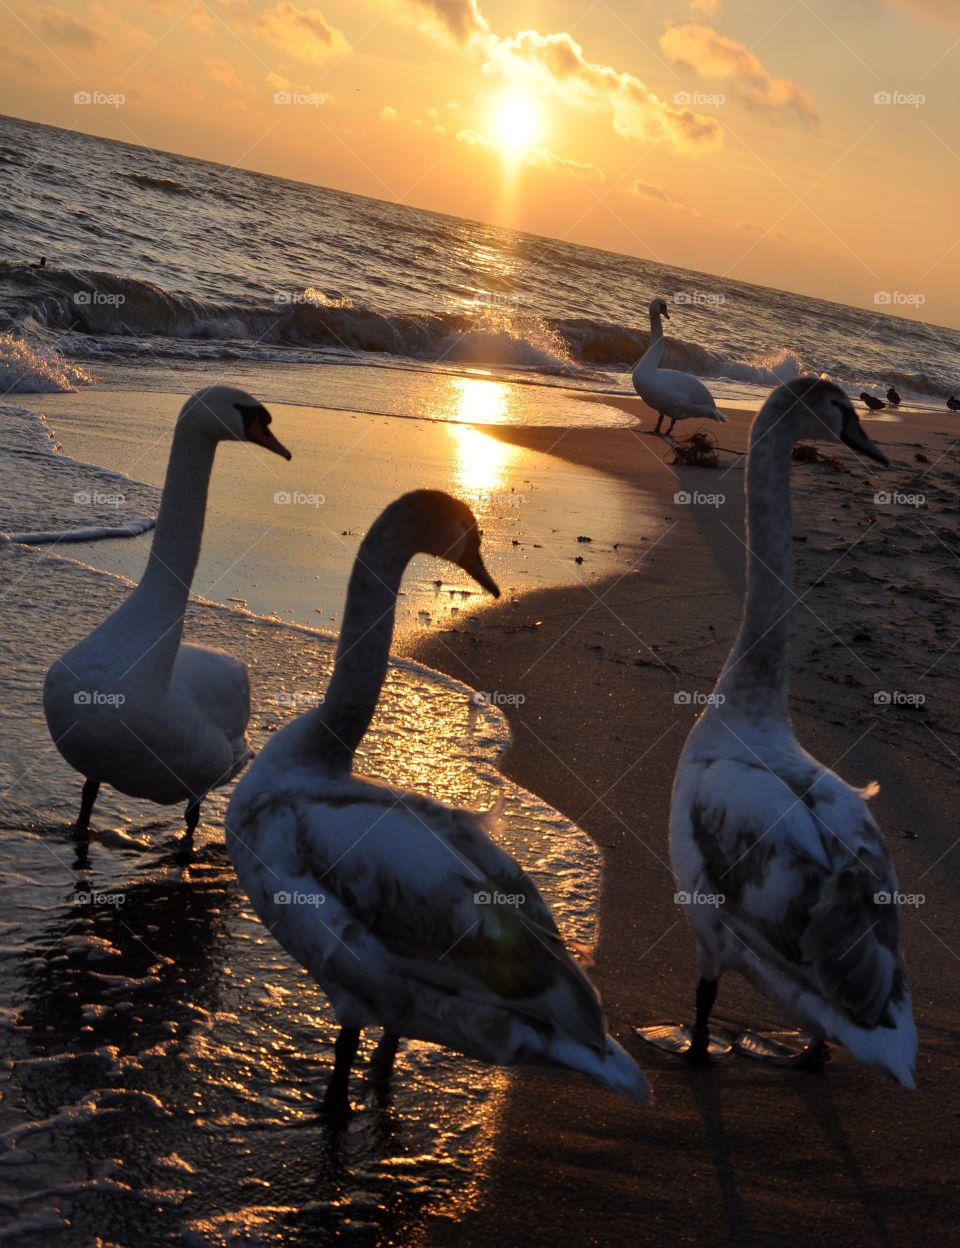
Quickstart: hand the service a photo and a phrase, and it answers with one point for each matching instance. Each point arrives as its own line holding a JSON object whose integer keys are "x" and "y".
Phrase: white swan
{"x": 785, "y": 872}
{"x": 678, "y": 396}
{"x": 404, "y": 910}
{"x": 129, "y": 705}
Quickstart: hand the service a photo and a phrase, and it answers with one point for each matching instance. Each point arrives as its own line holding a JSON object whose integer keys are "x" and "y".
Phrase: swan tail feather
{"x": 614, "y": 1067}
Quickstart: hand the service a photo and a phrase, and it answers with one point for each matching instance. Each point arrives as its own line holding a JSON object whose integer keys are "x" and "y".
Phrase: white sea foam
{"x": 31, "y": 368}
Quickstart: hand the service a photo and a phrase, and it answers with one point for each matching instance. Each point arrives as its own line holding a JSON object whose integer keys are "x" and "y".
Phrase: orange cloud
{"x": 556, "y": 65}
{"x": 647, "y": 190}
{"x": 460, "y": 20}
{"x": 708, "y": 54}
{"x": 58, "y": 27}
{"x": 304, "y": 34}
{"x": 224, "y": 72}
{"x": 539, "y": 158}
{"x": 944, "y": 13}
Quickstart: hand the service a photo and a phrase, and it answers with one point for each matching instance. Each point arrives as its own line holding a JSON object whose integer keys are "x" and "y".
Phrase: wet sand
{"x": 739, "y": 1154}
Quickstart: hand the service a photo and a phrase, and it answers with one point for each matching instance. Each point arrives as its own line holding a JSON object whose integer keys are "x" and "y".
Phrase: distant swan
{"x": 893, "y": 397}
{"x": 953, "y": 403}
{"x": 872, "y": 402}
{"x": 410, "y": 917}
{"x": 131, "y": 706}
{"x": 784, "y": 872}
{"x": 678, "y": 396}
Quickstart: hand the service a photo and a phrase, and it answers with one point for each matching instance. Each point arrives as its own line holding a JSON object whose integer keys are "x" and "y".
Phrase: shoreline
{"x": 728, "y": 1154}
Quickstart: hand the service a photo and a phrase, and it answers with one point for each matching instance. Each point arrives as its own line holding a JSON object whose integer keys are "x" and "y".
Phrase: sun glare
{"x": 517, "y": 123}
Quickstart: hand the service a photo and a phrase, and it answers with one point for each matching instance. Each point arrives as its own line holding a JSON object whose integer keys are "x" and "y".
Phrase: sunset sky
{"x": 810, "y": 145}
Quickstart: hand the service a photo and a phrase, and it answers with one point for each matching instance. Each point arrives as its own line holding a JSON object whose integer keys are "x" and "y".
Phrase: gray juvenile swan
{"x": 428, "y": 929}
{"x": 783, "y": 872}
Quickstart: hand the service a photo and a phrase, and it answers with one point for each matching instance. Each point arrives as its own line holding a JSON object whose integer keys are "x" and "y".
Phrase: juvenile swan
{"x": 411, "y": 936}
{"x": 678, "y": 396}
{"x": 785, "y": 872}
{"x": 131, "y": 706}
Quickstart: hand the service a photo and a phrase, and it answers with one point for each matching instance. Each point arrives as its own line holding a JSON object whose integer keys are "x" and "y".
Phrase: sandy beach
{"x": 738, "y": 1154}
{"x": 623, "y": 578}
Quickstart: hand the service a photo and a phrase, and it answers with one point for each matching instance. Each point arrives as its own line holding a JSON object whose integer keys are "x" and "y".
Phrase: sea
{"x": 154, "y": 261}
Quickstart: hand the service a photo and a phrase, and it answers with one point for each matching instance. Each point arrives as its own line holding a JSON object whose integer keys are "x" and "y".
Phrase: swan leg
{"x": 656, "y": 428}
{"x": 383, "y": 1056}
{"x": 336, "y": 1099}
{"x": 694, "y": 1044}
{"x": 87, "y": 798}
{"x": 192, "y": 817}
{"x": 814, "y": 1057}
{"x": 699, "y": 1050}
{"x": 670, "y": 429}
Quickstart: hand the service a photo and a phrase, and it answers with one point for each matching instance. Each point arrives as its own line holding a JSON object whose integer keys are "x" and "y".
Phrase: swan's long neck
{"x": 338, "y": 727}
{"x": 755, "y": 678}
{"x": 157, "y": 605}
{"x": 651, "y": 357}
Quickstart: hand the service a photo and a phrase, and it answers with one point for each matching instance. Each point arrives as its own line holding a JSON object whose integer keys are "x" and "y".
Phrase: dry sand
{"x": 738, "y": 1154}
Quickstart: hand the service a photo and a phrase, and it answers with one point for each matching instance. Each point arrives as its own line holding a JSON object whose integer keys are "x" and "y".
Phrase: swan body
{"x": 131, "y": 705}
{"x": 872, "y": 402}
{"x": 672, "y": 394}
{"x": 893, "y": 397}
{"x": 785, "y": 874}
{"x": 953, "y": 403}
{"x": 426, "y": 928}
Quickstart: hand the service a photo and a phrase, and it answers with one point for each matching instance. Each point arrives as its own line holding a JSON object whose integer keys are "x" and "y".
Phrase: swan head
{"x": 658, "y": 307}
{"x": 819, "y": 409}
{"x": 227, "y": 414}
{"x": 447, "y": 529}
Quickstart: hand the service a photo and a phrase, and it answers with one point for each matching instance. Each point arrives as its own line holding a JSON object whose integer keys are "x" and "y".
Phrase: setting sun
{"x": 517, "y": 123}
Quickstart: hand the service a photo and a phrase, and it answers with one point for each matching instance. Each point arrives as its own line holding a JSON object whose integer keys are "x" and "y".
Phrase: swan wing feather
{"x": 801, "y": 865}
{"x": 400, "y": 876}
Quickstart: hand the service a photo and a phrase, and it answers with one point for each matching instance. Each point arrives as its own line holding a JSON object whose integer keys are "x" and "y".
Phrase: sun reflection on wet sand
{"x": 480, "y": 462}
